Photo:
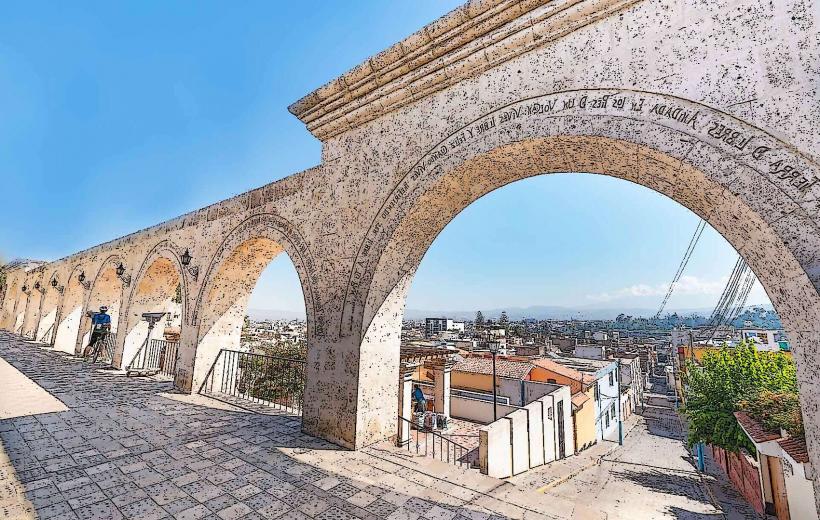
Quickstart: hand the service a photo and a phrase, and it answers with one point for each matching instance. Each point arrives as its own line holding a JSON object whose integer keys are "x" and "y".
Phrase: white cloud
{"x": 687, "y": 285}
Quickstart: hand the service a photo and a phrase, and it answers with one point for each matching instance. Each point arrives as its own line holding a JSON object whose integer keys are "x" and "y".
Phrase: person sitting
{"x": 418, "y": 397}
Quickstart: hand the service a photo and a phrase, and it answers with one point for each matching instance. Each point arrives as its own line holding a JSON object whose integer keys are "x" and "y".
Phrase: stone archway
{"x": 69, "y": 313}
{"x": 14, "y": 314}
{"x": 753, "y": 189}
{"x": 33, "y": 305}
{"x": 153, "y": 289}
{"x": 106, "y": 289}
{"x": 49, "y": 308}
{"x": 230, "y": 279}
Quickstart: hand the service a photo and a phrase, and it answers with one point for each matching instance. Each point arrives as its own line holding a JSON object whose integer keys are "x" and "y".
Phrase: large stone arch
{"x": 230, "y": 278}
{"x": 153, "y": 288}
{"x": 106, "y": 289}
{"x": 69, "y": 313}
{"x": 754, "y": 189}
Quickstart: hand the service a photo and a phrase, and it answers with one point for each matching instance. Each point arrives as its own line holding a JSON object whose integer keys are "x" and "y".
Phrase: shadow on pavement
{"x": 124, "y": 451}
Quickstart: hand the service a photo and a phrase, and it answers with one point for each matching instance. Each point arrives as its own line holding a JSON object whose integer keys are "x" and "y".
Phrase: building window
{"x": 551, "y": 381}
{"x": 606, "y": 419}
{"x": 597, "y": 392}
{"x": 611, "y": 378}
{"x": 612, "y": 410}
{"x": 549, "y": 413}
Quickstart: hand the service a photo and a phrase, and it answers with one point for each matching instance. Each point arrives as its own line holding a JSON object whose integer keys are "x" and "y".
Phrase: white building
{"x": 589, "y": 351}
{"x": 433, "y": 326}
{"x": 607, "y": 392}
{"x": 763, "y": 340}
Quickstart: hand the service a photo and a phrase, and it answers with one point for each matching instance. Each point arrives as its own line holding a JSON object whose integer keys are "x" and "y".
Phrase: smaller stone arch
{"x": 33, "y": 304}
{"x": 106, "y": 288}
{"x": 14, "y": 295}
{"x": 152, "y": 289}
{"x": 230, "y": 278}
{"x": 70, "y": 309}
{"x": 49, "y": 307}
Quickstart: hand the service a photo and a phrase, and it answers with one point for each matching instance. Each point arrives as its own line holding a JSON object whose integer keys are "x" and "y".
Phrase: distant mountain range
{"x": 539, "y": 312}
{"x": 274, "y": 314}
{"x": 547, "y": 312}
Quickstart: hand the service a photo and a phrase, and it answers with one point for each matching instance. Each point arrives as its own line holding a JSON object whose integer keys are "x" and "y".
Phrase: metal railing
{"x": 432, "y": 444}
{"x": 269, "y": 381}
{"x": 46, "y": 334}
{"x": 158, "y": 356}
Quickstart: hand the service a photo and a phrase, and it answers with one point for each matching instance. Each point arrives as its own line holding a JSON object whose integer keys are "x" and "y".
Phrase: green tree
{"x": 723, "y": 382}
{"x": 479, "y": 320}
{"x": 775, "y": 410}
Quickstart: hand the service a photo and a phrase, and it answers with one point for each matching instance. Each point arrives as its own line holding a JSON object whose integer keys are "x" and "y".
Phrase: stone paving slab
{"x": 123, "y": 450}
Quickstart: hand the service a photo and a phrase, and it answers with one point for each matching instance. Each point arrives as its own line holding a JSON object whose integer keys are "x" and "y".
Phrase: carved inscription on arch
{"x": 295, "y": 245}
{"x": 796, "y": 176}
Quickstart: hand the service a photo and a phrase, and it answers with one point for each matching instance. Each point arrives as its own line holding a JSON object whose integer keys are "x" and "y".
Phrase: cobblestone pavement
{"x": 653, "y": 476}
{"x": 122, "y": 450}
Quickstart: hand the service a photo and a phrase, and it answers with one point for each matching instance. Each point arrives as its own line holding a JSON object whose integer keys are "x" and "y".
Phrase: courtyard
{"x": 119, "y": 447}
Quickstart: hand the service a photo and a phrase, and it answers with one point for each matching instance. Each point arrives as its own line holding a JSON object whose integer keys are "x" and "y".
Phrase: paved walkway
{"x": 133, "y": 448}
{"x": 651, "y": 476}
{"x": 124, "y": 449}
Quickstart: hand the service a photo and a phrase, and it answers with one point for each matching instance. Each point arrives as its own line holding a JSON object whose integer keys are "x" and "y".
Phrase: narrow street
{"x": 652, "y": 476}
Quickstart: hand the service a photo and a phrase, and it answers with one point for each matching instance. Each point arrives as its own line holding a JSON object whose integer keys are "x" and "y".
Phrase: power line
{"x": 733, "y": 298}
{"x": 684, "y": 261}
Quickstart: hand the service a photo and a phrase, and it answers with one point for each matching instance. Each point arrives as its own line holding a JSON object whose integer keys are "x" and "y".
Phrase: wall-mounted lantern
{"x": 37, "y": 285}
{"x": 25, "y": 288}
{"x": 186, "y": 261}
{"x": 54, "y": 282}
{"x": 85, "y": 283}
{"x": 126, "y": 279}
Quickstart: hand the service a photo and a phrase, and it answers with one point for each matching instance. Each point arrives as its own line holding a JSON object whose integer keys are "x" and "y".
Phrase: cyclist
{"x": 100, "y": 327}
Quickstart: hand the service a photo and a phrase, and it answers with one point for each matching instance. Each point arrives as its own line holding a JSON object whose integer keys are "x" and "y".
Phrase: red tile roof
{"x": 796, "y": 448}
{"x": 754, "y": 429}
{"x": 503, "y": 367}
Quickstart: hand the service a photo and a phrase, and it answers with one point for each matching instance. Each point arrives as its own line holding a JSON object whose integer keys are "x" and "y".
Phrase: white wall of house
{"x": 510, "y": 388}
{"x": 799, "y": 489}
{"x": 589, "y": 351}
{"x": 607, "y": 401}
{"x": 527, "y": 437}
{"x": 477, "y": 410}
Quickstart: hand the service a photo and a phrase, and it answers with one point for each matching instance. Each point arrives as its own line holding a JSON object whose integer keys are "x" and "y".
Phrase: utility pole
{"x": 493, "y": 346}
{"x": 618, "y": 400}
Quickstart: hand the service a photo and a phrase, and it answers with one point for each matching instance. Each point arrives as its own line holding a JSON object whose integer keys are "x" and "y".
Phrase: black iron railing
{"x": 271, "y": 381}
{"x": 432, "y": 444}
{"x": 46, "y": 334}
{"x": 158, "y": 356}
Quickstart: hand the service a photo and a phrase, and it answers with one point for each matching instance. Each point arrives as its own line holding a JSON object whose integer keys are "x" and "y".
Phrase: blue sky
{"x": 117, "y": 116}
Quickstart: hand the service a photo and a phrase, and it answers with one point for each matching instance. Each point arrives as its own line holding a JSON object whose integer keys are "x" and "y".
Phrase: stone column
{"x": 190, "y": 375}
{"x": 351, "y": 391}
{"x": 405, "y": 402}
{"x": 441, "y": 373}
